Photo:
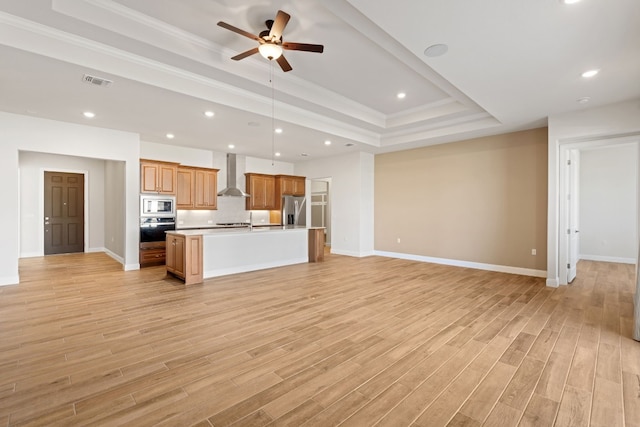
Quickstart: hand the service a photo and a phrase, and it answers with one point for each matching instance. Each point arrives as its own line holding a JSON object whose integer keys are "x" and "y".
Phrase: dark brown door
{"x": 63, "y": 213}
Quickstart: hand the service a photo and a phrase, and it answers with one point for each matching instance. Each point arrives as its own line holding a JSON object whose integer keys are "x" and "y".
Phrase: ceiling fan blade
{"x": 238, "y": 30}
{"x": 245, "y": 54}
{"x": 278, "y": 25}
{"x": 303, "y": 46}
{"x": 284, "y": 64}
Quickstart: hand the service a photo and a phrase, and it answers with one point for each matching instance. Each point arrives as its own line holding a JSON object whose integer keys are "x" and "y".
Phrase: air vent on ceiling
{"x": 98, "y": 81}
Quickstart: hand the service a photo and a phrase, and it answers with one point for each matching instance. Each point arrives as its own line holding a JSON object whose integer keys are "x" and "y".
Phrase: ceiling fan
{"x": 271, "y": 43}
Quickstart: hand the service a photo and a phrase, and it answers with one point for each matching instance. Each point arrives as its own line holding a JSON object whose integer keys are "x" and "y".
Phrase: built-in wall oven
{"x": 157, "y": 216}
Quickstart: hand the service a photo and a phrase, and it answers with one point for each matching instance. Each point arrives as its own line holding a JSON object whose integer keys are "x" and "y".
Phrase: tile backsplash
{"x": 230, "y": 209}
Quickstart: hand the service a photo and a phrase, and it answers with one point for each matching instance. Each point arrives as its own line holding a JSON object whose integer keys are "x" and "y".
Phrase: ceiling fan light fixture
{"x": 270, "y": 50}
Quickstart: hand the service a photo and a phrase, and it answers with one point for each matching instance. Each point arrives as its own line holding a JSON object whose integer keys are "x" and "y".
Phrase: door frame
{"x": 573, "y": 211}
{"x": 84, "y": 173}
{"x": 563, "y": 191}
{"x": 328, "y": 224}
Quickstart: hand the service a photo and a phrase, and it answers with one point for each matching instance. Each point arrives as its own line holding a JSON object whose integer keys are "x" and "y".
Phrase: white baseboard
{"x": 553, "y": 283}
{"x": 113, "y": 255}
{"x": 602, "y": 258}
{"x": 9, "y": 280}
{"x": 30, "y": 254}
{"x": 467, "y": 264}
{"x": 353, "y": 254}
{"x": 126, "y": 267}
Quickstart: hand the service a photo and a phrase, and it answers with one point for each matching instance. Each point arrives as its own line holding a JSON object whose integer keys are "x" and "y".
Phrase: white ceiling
{"x": 510, "y": 64}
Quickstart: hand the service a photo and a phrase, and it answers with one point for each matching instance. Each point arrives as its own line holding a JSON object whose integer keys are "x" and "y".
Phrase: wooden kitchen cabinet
{"x": 184, "y": 257}
{"x": 206, "y": 189}
{"x": 291, "y": 185}
{"x": 158, "y": 177}
{"x": 152, "y": 253}
{"x": 262, "y": 189}
{"x": 288, "y": 185}
{"x": 316, "y": 244}
{"x": 185, "y": 184}
{"x": 197, "y": 188}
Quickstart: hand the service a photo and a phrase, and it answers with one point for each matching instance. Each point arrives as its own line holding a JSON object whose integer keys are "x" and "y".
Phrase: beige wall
{"x": 482, "y": 200}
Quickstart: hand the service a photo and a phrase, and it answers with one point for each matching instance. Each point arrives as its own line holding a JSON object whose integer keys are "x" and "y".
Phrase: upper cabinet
{"x": 197, "y": 188}
{"x": 185, "y": 196}
{"x": 158, "y": 177}
{"x": 288, "y": 185}
{"x": 267, "y": 190}
{"x": 206, "y": 189}
{"x": 262, "y": 189}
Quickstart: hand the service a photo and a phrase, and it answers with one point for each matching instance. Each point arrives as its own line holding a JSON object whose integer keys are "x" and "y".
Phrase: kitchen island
{"x": 224, "y": 251}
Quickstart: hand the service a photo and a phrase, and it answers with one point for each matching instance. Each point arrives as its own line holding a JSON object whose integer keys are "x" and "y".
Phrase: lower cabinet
{"x": 184, "y": 257}
{"x": 316, "y": 244}
{"x": 151, "y": 254}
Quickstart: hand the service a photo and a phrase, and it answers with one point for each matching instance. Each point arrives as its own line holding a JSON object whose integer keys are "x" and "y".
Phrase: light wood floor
{"x": 355, "y": 342}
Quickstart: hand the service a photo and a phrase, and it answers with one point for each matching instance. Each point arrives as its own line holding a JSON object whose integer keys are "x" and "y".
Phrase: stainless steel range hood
{"x": 232, "y": 188}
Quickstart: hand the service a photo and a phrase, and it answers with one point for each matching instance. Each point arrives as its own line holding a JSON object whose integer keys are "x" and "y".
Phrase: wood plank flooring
{"x": 351, "y": 342}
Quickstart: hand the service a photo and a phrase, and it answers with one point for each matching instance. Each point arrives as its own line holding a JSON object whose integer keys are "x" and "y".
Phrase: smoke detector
{"x": 98, "y": 81}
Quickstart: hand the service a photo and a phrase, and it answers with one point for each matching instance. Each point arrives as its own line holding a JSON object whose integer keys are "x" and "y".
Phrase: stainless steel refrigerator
{"x": 294, "y": 210}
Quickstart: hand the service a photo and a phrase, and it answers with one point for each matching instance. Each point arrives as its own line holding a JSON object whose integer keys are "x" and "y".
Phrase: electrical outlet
{"x": 533, "y": 251}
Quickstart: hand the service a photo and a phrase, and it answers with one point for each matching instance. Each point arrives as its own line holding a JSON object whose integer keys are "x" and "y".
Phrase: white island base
{"x": 248, "y": 250}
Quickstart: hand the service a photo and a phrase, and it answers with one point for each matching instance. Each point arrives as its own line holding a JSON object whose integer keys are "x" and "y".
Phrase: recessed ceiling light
{"x": 583, "y": 100}
{"x": 590, "y": 73}
{"x": 327, "y": 142}
{"x": 436, "y": 50}
{"x": 277, "y": 154}
{"x": 209, "y": 113}
{"x": 401, "y": 95}
{"x": 89, "y": 114}
{"x": 231, "y": 146}
{"x": 278, "y": 130}
{"x": 170, "y": 136}
{"x": 569, "y": 1}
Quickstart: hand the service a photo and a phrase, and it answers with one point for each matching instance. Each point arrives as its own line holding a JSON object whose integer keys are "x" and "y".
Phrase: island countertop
{"x": 236, "y": 230}
{"x": 237, "y": 250}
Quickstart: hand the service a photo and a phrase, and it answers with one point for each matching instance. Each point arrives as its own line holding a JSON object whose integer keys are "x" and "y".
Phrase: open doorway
{"x": 321, "y": 206}
{"x": 598, "y": 204}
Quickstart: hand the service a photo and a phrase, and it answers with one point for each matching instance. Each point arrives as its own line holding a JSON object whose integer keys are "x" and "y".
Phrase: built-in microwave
{"x": 158, "y": 206}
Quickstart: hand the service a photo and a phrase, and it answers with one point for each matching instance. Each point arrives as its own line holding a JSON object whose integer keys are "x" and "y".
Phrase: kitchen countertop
{"x": 237, "y": 230}
{"x": 218, "y": 226}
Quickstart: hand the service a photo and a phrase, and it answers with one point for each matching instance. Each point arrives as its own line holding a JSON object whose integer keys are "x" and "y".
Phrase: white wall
{"x": 170, "y": 153}
{"x": 608, "y": 203}
{"x": 114, "y": 209}
{"x": 32, "y": 166}
{"x": 351, "y": 200}
{"x": 24, "y": 133}
{"x": 612, "y": 121}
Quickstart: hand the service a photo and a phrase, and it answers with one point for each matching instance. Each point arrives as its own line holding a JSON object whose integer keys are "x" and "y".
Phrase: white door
{"x": 573, "y": 231}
